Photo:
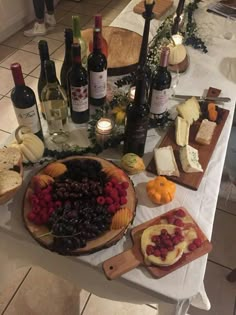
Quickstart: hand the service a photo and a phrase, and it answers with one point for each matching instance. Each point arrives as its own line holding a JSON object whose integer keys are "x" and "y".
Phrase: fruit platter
{"x": 162, "y": 245}
{"x": 79, "y": 205}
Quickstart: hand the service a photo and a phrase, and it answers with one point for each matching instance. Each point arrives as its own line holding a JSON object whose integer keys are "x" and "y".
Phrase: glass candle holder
{"x": 103, "y": 130}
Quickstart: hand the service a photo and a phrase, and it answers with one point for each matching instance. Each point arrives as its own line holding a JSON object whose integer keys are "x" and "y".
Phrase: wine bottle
{"x": 67, "y": 63}
{"x": 23, "y": 99}
{"x": 78, "y": 39}
{"x": 98, "y": 24}
{"x": 44, "y": 55}
{"x": 160, "y": 90}
{"x": 55, "y": 105}
{"x": 78, "y": 82}
{"x": 97, "y": 72}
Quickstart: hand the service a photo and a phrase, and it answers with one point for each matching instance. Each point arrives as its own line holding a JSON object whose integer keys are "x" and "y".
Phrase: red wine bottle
{"x": 78, "y": 83}
{"x": 97, "y": 72}
{"x": 44, "y": 55}
{"x": 98, "y": 25}
{"x": 160, "y": 89}
{"x": 23, "y": 99}
{"x": 67, "y": 63}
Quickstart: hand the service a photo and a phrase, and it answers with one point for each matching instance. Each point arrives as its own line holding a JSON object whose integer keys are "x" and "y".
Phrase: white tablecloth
{"x": 17, "y": 248}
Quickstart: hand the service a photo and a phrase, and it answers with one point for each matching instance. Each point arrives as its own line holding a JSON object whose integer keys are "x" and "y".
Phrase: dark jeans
{"x": 39, "y": 8}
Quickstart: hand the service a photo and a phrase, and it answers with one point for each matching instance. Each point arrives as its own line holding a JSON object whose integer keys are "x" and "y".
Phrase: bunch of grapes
{"x": 76, "y": 223}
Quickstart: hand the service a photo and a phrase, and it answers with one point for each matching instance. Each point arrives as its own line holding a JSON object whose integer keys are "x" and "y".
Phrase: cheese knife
{"x": 203, "y": 98}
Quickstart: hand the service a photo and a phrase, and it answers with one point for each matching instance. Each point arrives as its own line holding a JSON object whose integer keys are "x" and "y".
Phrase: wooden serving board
{"x": 123, "y": 48}
{"x": 107, "y": 239}
{"x": 132, "y": 258}
{"x": 192, "y": 180}
{"x": 159, "y": 9}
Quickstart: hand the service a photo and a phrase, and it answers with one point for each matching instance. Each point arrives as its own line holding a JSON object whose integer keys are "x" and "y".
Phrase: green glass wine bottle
{"x": 78, "y": 39}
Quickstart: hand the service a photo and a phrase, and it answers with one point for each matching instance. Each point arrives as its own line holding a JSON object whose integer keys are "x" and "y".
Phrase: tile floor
{"x": 21, "y": 296}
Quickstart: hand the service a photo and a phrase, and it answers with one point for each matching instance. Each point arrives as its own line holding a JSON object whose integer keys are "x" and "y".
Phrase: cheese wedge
{"x": 172, "y": 256}
{"x": 165, "y": 161}
{"x": 189, "y": 159}
{"x": 181, "y": 131}
{"x": 189, "y": 110}
{"x": 205, "y": 132}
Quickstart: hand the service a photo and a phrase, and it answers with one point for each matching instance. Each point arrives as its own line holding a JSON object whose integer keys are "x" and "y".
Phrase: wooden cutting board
{"x": 132, "y": 258}
{"x": 107, "y": 239}
{"x": 123, "y": 48}
{"x": 159, "y": 9}
{"x": 192, "y": 180}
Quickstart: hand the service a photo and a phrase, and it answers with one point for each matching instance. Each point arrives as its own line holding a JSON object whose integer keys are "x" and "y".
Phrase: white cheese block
{"x": 165, "y": 161}
{"x": 181, "y": 131}
{"x": 189, "y": 160}
{"x": 205, "y": 132}
{"x": 189, "y": 110}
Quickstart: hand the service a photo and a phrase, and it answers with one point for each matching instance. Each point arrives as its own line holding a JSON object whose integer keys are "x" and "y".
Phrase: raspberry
{"x": 123, "y": 193}
{"x": 157, "y": 253}
{"x": 58, "y": 204}
{"x": 178, "y": 231}
{"x": 125, "y": 185}
{"x": 197, "y": 242}
{"x": 123, "y": 200}
{"x": 192, "y": 247}
{"x": 44, "y": 217}
{"x": 178, "y": 222}
{"x": 36, "y": 209}
{"x": 109, "y": 184}
{"x": 180, "y": 213}
{"x": 108, "y": 200}
{"x": 164, "y": 251}
{"x": 170, "y": 219}
{"x": 155, "y": 238}
{"x": 48, "y": 197}
{"x": 114, "y": 193}
{"x": 108, "y": 190}
{"x": 31, "y": 216}
{"x": 150, "y": 250}
{"x": 170, "y": 248}
{"x": 175, "y": 240}
{"x": 111, "y": 208}
{"x": 117, "y": 206}
{"x": 114, "y": 181}
{"x": 38, "y": 220}
{"x": 50, "y": 211}
{"x": 164, "y": 232}
{"x": 100, "y": 200}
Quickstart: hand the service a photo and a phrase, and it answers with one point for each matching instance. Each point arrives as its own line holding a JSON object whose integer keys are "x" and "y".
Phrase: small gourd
{"x": 132, "y": 163}
{"x": 177, "y": 53}
{"x": 31, "y": 146}
{"x": 161, "y": 190}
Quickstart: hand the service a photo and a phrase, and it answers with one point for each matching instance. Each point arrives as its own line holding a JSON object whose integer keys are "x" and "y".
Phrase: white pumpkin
{"x": 31, "y": 146}
{"x": 177, "y": 53}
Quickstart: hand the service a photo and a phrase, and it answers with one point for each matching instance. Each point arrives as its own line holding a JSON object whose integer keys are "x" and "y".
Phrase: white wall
{"x": 15, "y": 14}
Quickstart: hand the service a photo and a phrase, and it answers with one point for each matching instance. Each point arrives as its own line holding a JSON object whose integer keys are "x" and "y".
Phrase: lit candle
{"x": 178, "y": 39}
{"x": 132, "y": 93}
{"x": 149, "y": 1}
{"x": 104, "y": 126}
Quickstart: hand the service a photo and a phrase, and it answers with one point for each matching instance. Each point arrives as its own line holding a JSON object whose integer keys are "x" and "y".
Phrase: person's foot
{"x": 50, "y": 20}
{"x": 37, "y": 30}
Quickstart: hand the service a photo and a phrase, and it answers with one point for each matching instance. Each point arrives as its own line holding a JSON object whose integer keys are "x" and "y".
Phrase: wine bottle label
{"x": 98, "y": 84}
{"x": 56, "y": 113}
{"x": 159, "y": 101}
{"x": 79, "y": 98}
{"x": 28, "y": 117}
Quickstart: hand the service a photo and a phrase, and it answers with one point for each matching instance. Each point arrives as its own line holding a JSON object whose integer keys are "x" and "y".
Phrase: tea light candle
{"x": 178, "y": 39}
{"x": 103, "y": 130}
{"x": 104, "y": 126}
{"x": 132, "y": 93}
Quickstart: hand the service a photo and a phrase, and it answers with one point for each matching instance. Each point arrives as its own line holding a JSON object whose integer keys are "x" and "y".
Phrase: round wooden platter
{"x": 107, "y": 239}
{"x": 123, "y": 48}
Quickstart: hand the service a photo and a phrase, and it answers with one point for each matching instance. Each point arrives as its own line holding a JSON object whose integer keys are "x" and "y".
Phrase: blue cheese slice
{"x": 181, "y": 131}
{"x": 190, "y": 160}
{"x": 165, "y": 161}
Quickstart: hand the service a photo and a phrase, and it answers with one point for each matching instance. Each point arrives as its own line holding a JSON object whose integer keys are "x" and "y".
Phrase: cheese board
{"x": 78, "y": 204}
{"x": 192, "y": 180}
{"x": 133, "y": 258}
